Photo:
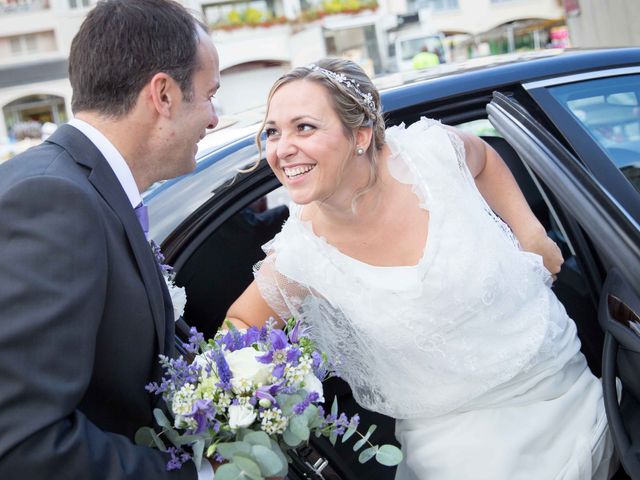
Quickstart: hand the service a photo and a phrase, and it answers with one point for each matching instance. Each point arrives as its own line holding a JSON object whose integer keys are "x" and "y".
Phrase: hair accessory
{"x": 359, "y": 150}
{"x": 367, "y": 98}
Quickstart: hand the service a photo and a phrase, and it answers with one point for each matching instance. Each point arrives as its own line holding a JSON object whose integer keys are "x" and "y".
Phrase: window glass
{"x": 609, "y": 109}
{"x": 481, "y": 128}
{"x": 436, "y": 5}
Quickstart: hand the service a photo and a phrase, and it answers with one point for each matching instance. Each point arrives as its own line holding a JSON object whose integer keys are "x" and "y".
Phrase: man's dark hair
{"x": 122, "y": 44}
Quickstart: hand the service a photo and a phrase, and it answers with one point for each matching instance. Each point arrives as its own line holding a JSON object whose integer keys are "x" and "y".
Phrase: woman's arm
{"x": 498, "y": 187}
{"x": 250, "y": 309}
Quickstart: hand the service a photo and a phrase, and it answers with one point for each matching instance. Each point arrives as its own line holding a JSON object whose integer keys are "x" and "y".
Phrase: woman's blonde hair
{"x": 355, "y": 99}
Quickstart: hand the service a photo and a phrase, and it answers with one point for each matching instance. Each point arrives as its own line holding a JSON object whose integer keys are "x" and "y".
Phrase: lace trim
{"x": 457, "y": 334}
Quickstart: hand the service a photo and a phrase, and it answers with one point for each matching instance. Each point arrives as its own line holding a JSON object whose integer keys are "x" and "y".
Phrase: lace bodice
{"x": 432, "y": 338}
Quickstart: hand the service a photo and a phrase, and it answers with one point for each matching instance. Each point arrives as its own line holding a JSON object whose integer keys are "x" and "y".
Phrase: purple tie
{"x": 143, "y": 217}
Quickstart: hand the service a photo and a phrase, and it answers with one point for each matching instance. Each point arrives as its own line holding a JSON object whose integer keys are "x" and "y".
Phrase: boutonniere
{"x": 178, "y": 294}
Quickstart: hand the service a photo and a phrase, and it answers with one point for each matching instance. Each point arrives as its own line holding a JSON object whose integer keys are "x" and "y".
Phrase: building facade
{"x": 258, "y": 40}
{"x": 595, "y": 23}
{"x": 35, "y": 38}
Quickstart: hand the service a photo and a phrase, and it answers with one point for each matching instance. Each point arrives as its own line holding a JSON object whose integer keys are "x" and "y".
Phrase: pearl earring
{"x": 359, "y": 150}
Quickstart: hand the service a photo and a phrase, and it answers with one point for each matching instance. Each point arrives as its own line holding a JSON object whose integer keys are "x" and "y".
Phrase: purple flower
{"x": 294, "y": 335}
{"x": 178, "y": 457}
{"x": 278, "y": 339}
{"x": 157, "y": 252}
{"x": 233, "y": 340}
{"x": 278, "y": 370}
{"x": 264, "y": 393}
{"x": 317, "y": 359}
{"x": 293, "y": 355}
{"x": 355, "y": 421}
{"x": 203, "y": 413}
{"x": 299, "y": 408}
{"x": 251, "y": 336}
{"x": 177, "y": 373}
{"x": 195, "y": 340}
{"x": 224, "y": 372}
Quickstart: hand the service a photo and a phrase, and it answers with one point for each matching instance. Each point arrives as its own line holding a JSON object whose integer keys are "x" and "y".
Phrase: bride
{"x": 436, "y": 310}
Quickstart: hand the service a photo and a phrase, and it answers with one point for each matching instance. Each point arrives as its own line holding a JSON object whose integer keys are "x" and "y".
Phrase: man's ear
{"x": 163, "y": 92}
{"x": 363, "y": 137}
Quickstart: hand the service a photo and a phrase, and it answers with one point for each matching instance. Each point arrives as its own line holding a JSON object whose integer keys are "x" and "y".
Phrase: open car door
{"x": 606, "y": 241}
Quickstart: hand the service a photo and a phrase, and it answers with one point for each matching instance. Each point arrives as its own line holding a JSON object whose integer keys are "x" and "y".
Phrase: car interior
{"x": 221, "y": 266}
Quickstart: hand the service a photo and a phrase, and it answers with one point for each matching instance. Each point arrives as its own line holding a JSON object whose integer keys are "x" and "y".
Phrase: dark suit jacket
{"x": 83, "y": 317}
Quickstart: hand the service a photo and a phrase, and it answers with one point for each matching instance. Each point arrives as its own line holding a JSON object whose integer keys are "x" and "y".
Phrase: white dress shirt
{"x": 125, "y": 177}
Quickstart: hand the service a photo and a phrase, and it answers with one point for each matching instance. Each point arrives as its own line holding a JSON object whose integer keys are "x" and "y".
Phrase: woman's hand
{"x": 540, "y": 243}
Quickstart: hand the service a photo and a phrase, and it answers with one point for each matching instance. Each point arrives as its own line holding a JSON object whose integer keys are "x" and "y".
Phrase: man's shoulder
{"x": 44, "y": 160}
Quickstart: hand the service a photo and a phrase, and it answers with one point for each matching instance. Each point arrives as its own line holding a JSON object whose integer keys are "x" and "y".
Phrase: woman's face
{"x": 307, "y": 146}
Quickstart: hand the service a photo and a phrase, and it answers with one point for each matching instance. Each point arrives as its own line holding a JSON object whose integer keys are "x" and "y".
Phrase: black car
{"x": 566, "y": 123}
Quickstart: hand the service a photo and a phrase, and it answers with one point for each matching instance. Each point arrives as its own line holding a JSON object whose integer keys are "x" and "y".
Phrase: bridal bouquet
{"x": 245, "y": 399}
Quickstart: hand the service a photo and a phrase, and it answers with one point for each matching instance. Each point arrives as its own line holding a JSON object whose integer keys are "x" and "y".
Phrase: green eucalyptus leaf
{"x": 290, "y": 438}
{"x": 172, "y": 435}
{"x": 311, "y": 414}
{"x": 198, "y": 449}
{"x": 257, "y": 438}
{"x": 298, "y": 426}
{"x": 229, "y": 471}
{"x": 334, "y": 407}
{"x": 158, "y": 442}
{"x": 161, "y": 418}
{"x": 189, "y": 439}
{"x": 333, "y": 436}
{"x": 143, "y": 436}
{"x": 229, "y": 449}
{"x": 248, "y": 466}
{"x": 275, "y": 448}
{"x": 389, "y": 455}
{"x": 269, "y": 461}
{"x": 367, "y": 454}
{"x": 350, "y": 431}
{"x": 358, "y": 445}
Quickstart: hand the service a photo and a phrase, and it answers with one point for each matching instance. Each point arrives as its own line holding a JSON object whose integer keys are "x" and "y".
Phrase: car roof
{"x": 450, "y": 80}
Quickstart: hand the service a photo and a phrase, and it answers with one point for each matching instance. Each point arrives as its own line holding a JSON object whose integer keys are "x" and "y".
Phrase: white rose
{"x": 178, "y": 298}
{"x": 312, "y": 384}
{"x": 243, "y": 365}
{"x": 241, "y": 416}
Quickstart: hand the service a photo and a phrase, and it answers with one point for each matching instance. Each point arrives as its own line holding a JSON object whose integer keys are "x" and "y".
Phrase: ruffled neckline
{"x": 407, "y": 278}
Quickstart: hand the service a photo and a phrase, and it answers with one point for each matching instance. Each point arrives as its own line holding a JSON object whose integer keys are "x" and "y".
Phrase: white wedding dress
{"x": 469, "y": 349}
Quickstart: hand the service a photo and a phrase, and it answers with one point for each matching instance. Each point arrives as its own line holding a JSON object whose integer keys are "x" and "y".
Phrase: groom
{"x": 84, "y": 311}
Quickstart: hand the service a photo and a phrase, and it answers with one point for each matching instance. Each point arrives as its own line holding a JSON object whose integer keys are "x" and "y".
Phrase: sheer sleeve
{"x": 265, "y": 276}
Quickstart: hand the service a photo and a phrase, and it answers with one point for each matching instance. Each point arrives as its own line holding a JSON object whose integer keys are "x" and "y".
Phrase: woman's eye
{"x": 305, "y": 127}
{"x": 269, "y": 132}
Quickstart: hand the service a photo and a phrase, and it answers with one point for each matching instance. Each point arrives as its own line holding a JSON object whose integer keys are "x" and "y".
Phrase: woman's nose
{"x": 286, "y": 147}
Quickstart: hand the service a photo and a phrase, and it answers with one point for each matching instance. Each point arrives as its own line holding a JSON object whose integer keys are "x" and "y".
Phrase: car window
{"x": 609, "y": 110}
{"x": 481, "y": 127}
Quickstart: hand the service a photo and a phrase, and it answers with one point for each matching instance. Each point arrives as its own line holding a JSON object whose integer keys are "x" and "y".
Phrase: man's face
{"x": 193, "y": 117}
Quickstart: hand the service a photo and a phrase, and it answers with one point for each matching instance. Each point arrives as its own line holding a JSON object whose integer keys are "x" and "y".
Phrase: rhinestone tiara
{"x": 367, "y": 98}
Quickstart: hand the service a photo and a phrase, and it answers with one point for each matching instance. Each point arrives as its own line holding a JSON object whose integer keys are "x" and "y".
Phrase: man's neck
{"x": 127, "y": 137}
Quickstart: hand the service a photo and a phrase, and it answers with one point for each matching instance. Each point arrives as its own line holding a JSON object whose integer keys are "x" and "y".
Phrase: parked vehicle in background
{"x": 568, "y": 126}
{"x": 408, "y": 45}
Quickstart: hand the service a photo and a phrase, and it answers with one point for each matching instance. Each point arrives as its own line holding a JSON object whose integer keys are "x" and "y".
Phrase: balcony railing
{"x": 8, "y": 7}
{"x": 254, "y": 17}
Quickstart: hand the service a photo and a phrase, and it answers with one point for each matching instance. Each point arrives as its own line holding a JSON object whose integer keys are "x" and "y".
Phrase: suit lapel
{"x": 106, "y": 183}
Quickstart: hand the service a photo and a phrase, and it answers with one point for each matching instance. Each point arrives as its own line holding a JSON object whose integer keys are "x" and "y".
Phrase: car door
{"x": 607, "y": 240}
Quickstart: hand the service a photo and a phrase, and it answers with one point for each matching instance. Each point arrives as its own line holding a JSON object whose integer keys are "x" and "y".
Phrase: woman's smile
{"x": 297, "y": 171}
